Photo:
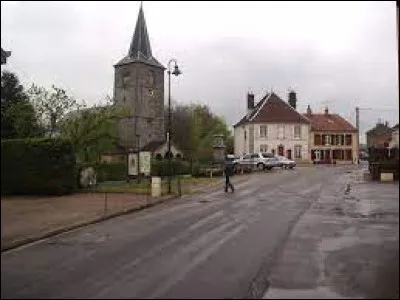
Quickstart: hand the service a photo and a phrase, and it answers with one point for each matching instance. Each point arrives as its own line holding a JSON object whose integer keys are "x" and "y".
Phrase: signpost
{"x": 144, "y": 163}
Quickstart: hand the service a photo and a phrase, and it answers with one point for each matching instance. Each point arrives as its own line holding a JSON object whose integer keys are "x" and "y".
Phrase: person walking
{"x": 228, "y": 170}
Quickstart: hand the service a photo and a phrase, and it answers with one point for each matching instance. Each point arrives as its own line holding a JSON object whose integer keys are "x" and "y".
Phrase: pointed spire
{"x": 140, "y": 45}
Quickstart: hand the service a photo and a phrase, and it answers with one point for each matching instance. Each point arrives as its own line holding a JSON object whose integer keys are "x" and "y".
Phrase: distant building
{"x": 332, "y": 138}
{"x": 394, "y": 143}
{"x": 379, "y": 136}
{"x": 4, "y": 56}
{"x": 274, "y": 126}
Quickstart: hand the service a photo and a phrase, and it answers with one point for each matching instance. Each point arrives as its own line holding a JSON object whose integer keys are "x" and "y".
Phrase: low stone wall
{"x": 385, "y": 167}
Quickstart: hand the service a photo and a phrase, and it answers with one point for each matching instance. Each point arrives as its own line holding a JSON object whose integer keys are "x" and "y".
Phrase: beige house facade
{"x": 273, "y": 126}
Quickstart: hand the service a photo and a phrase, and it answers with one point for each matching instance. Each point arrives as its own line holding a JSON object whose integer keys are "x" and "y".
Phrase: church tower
{"x": 139, "y": 84}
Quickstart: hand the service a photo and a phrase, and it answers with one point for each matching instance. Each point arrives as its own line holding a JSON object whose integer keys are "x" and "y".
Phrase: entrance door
{"x": 289, "y": 154}
{"x": 281, "y": 150}
{"x": 328, "y": 155}
{"x": 317, "y": 155}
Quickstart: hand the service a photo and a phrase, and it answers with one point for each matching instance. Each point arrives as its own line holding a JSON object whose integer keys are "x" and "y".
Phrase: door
{"x": 317, "y": 155}
{"x": 281, "y": 150}
{"x": 327, "y": 155}
{"x": 289, "y": 153}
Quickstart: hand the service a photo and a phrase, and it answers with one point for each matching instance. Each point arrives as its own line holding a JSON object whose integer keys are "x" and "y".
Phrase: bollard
{"x": 155, "y": 186}
{"x": 105, "y": 204}
{"x": 179, "y": 186}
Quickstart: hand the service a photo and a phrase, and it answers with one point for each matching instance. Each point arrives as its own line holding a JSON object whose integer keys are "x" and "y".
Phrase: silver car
{"x": 287, "y": 163}
{"x": 260, "y": 161}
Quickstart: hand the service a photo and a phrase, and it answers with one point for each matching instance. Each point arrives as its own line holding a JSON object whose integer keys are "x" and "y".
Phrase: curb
{"x": 29, "y": 240}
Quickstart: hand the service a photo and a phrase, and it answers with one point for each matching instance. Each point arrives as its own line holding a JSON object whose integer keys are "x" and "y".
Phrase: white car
{"x": 261, "y": 161}
{"x": 287, "y": 163}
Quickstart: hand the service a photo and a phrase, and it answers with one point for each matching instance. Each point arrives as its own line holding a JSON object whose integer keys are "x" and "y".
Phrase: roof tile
{"x": 329, "y": 122}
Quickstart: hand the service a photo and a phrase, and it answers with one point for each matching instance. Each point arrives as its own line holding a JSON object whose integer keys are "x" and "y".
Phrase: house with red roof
{"x": 273, "y": 125}
{"x": 332, "y": 138}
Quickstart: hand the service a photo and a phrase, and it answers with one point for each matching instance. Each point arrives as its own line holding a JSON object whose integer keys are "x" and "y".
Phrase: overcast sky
{"x": 339, "y": 54}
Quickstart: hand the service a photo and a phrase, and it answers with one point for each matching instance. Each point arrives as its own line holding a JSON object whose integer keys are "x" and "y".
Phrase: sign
{"x": 132, "y": 164}
{"x": 145, "y": 163}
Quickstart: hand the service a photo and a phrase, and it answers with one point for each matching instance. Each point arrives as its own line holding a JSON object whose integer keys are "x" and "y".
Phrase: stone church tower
{"x": 139, "y": 84}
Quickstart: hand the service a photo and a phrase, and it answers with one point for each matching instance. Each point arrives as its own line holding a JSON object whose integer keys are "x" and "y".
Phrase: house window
{"x": 263, "y": 148}
{"x": 297, "y": 151}
{"x": 348, "y": 139}
{"x": 334, "y": 139}
{"x": 317, "y": 140}
{"x": 297, "y": 132}
{"x": 281, "y": 132}
{"x": 263, "y": 131}
{"x": 327, "y": 140}
{"x": 273, "y": 151}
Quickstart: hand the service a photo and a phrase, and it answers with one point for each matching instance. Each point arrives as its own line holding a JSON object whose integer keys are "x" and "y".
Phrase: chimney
{"x": 326, "y": 110}
{"x": 309, "y": 112}
{"x": 250, "y": 102}
{"x": 292, "y": 99}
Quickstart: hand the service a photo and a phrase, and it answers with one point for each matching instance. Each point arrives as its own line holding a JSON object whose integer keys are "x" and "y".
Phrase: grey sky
{"x": 340, "y": 54}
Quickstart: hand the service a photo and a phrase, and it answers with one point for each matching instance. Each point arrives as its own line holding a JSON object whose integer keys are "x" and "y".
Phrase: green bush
{"x": 111, "y": 171}
{"x": 178, "y": 167}
{"x": 37, "y": 166}
{"x": 115, "y": 171}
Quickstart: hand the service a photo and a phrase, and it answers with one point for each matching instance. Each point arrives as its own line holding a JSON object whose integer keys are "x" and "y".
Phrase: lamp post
{"x": 126, "y": 134}
{"x": 175, "y": 72}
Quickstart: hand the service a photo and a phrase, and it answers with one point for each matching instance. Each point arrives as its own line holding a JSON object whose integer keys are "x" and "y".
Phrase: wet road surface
{"x": 208, "y": 245}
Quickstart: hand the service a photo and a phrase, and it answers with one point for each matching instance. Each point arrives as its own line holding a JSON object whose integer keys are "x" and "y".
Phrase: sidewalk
{"x": 31, "y": 218}
{"x": 346, "y": 246}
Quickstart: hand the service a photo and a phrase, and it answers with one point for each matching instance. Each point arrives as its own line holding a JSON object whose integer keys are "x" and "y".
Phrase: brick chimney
{"x": 326, "y": 110}
{"x": 250, "y": 102}
{"x": 309, "y": 112}
{"x": 292, "y": 99}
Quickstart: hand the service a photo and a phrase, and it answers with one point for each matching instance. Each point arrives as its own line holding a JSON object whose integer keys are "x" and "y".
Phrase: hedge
{"x": 110, "y": 171}
{"x": 161, "y": 167}
{"x": 43, "y": 166}
{"x": 115, "y": 171}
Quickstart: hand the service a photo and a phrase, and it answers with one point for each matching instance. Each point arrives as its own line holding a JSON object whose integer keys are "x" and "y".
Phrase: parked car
{"x": 287, "y": 163}
{"x": 274, "y": 162}
{"x": 259, "y": 160}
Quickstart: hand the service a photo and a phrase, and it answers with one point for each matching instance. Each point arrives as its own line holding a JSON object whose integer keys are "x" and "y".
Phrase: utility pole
{"x": 358, "y": 132}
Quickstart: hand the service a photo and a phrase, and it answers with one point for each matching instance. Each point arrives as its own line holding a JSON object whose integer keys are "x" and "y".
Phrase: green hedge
{"x": 115, "y": 171}
{"x": 37, "y": 166}
{"x": 178, "y": 167}
{"x": 110, "y": 171}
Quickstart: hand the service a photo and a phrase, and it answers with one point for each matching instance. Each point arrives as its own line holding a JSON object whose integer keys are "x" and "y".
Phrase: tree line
{"x": 39, "y": 112}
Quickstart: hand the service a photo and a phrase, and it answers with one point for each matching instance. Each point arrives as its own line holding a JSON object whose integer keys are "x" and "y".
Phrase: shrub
{"x": 114, "y": 171}
{"x": 111, "y": 171}
{"x": 37, "y": 166}
{"x": 178, "y": 167}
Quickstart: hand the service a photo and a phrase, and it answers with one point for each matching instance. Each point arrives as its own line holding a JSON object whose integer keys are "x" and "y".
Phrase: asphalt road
{"x": 209, "y": 245}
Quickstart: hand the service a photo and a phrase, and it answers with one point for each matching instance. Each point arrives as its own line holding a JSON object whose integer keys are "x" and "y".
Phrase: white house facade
{"x": 273, "y": 126}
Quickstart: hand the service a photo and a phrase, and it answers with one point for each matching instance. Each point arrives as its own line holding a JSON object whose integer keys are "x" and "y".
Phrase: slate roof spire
{"x": 140, "y": 49}
{"x": 140, "y": 44}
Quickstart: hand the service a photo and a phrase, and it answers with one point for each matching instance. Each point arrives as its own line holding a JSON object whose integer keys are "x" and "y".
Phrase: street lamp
{"x": 175, "y": 72}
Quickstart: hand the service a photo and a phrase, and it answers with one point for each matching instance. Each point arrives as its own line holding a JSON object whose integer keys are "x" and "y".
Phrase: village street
{"x": 273, "y": 235}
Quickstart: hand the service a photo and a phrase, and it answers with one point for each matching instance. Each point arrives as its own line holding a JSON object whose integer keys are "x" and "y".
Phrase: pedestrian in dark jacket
{"x": 228, "y": 170}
